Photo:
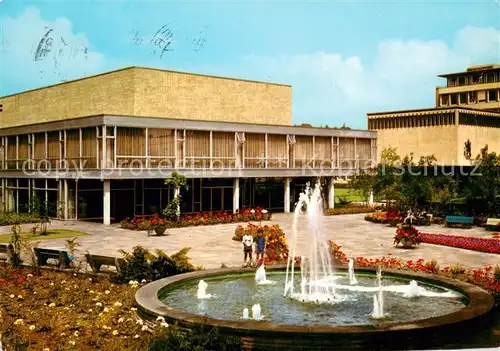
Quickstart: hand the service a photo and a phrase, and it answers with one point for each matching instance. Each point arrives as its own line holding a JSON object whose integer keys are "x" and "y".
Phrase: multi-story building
{"x": 100, "y": 147}
{"x": 465, "y": 119}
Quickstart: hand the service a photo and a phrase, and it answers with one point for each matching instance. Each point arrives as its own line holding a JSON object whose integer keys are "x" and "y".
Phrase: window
{"x": 472, "y": 97}
{"x": 492, "y": 95}
{"x": 445, "y": 100}
{"x": 463, "y": 98}
{"x": 453, "y": 98}
{"x": 452, "y": 82}
{"x": 461, "y": 80}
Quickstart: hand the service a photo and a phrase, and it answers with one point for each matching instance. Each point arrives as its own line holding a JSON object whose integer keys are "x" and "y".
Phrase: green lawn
{"x": 51, "y": 234}
{"x": 348, "y": 194}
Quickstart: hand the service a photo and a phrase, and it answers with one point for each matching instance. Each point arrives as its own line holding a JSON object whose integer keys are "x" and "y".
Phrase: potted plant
{"x": 159, "y": 225}
{"x": 266, "y": 216}
{"x": 408, "y": 236}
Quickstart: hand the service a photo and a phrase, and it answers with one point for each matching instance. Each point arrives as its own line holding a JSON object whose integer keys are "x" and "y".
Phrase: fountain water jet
{"x": 260, "y": 276}
{"x": 413, "y": 289}
{"x": 378, "y": 299}
{"x": 352, "y": 277}
{"x": 245, "y": 313}
{"x": 316, "y": 266}
{"x": 202, "y": 290}
{"x": 256, "y": 312}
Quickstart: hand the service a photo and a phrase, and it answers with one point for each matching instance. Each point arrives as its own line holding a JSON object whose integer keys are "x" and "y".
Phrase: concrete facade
{"x": 103, "y": 146}
{"x": 467, "y": 111}
{"x": 145, "y": 92}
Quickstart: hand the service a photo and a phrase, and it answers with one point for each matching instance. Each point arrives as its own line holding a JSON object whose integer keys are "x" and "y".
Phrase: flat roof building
{"x": 465, "y": 119}
{"x": 100, "y": 147}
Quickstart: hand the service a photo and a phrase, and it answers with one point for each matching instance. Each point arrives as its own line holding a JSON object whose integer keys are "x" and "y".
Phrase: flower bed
{"x": 59, "y": 311}
{"x": 392, "y": 217}
{"x": 144, "y": 223}
{"x": 64, "y": 311}
{"x": 488, "y": 277}
{"x": 349, "y": 210}
{"x": 377, "y": 217}
{"x": 463, "y": 242}
{"x": 276, "y": 245}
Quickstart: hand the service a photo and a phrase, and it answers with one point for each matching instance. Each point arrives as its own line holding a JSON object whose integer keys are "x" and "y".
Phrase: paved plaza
{"x": 212, "y": 245}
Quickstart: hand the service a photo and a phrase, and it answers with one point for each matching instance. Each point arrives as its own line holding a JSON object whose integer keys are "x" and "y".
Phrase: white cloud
{"x": 37, "y": 52}
{"x": 331, "y": 89}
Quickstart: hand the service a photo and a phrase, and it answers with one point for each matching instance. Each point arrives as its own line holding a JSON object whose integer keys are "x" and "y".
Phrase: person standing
{"x": 260, "y": 245}
{"x": 247, "y": 249}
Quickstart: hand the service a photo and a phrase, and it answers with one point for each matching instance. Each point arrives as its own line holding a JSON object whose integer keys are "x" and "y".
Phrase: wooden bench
{"x": 7, "y": 250}
{"x": 492, "y": 223}
{"x": 42, "y": 255}
{"x": 96, "y": 262}
{"x": 462, "y": 220}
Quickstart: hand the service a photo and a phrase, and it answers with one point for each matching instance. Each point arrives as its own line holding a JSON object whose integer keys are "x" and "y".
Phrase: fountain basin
{"x": 382, "y": 334}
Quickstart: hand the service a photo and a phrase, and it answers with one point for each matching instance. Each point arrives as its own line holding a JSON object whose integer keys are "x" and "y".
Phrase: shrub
{"x": 496, "y": 273}
{"x": 12, "y": 218}
{"x": 456, "y": 270}
{"x": 431, "y": 266}
{"x": 142, "y": 264}
{"x": 15, "y": 242}
{"x": 350, "y": 210}
{"x": 377, "y": 217}
{"x": 198, "y": 338}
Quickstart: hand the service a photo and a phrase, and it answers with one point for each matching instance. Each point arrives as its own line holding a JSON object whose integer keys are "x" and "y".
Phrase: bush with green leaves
{"x": 12, "y": 218}
{"x": 15, "y": 242}
{"x": 142, "y": 264}
{"x": 199, "y": 338}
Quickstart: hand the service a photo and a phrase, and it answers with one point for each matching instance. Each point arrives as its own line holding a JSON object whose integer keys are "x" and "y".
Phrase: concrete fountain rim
{"x": 480, "y": 303}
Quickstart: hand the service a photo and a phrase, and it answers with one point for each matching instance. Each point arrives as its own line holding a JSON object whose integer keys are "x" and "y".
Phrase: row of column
{"x": 236, "y": 197}
{"x": 288, "y": 181}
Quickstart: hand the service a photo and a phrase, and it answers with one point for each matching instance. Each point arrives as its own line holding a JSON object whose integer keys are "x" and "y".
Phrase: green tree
{"x": 482, "y": 188}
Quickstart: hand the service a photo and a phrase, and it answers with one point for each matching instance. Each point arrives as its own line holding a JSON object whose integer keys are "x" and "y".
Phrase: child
{"x": 247, "y": 249}
{"x": 261, "y": 245}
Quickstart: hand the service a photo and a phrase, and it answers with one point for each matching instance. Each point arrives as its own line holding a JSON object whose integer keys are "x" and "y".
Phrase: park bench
{"x": 6, "y": 250}
{"x": 462, "y": 220}
{"x": 492, "y": 223}
{"x": 42, "y": 255}
{"x": 96, "y": 262}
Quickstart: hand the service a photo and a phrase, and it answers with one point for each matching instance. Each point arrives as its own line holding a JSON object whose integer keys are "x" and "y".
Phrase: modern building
{"x": 101, "y": 147}
{"x": 465, "y": 119}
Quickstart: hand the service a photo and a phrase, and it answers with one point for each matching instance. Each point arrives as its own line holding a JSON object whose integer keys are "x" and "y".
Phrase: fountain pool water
{"x": 320, "y": 306}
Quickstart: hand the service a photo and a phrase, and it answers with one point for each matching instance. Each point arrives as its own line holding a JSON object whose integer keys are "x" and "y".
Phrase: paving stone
{"x": 212, "y": 245}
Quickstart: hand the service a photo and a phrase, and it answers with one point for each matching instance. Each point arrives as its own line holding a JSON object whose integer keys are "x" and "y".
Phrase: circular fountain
{"x": 313, "y": 306}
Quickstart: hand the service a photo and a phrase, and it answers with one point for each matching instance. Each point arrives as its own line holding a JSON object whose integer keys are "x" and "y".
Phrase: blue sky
{"x": 343, "y": 59}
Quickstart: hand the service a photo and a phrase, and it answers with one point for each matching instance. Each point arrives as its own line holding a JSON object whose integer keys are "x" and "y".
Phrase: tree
{"x": 177, "y": 182}
{"x": 482, "y": 188}
{"x": 407, "y": 183}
